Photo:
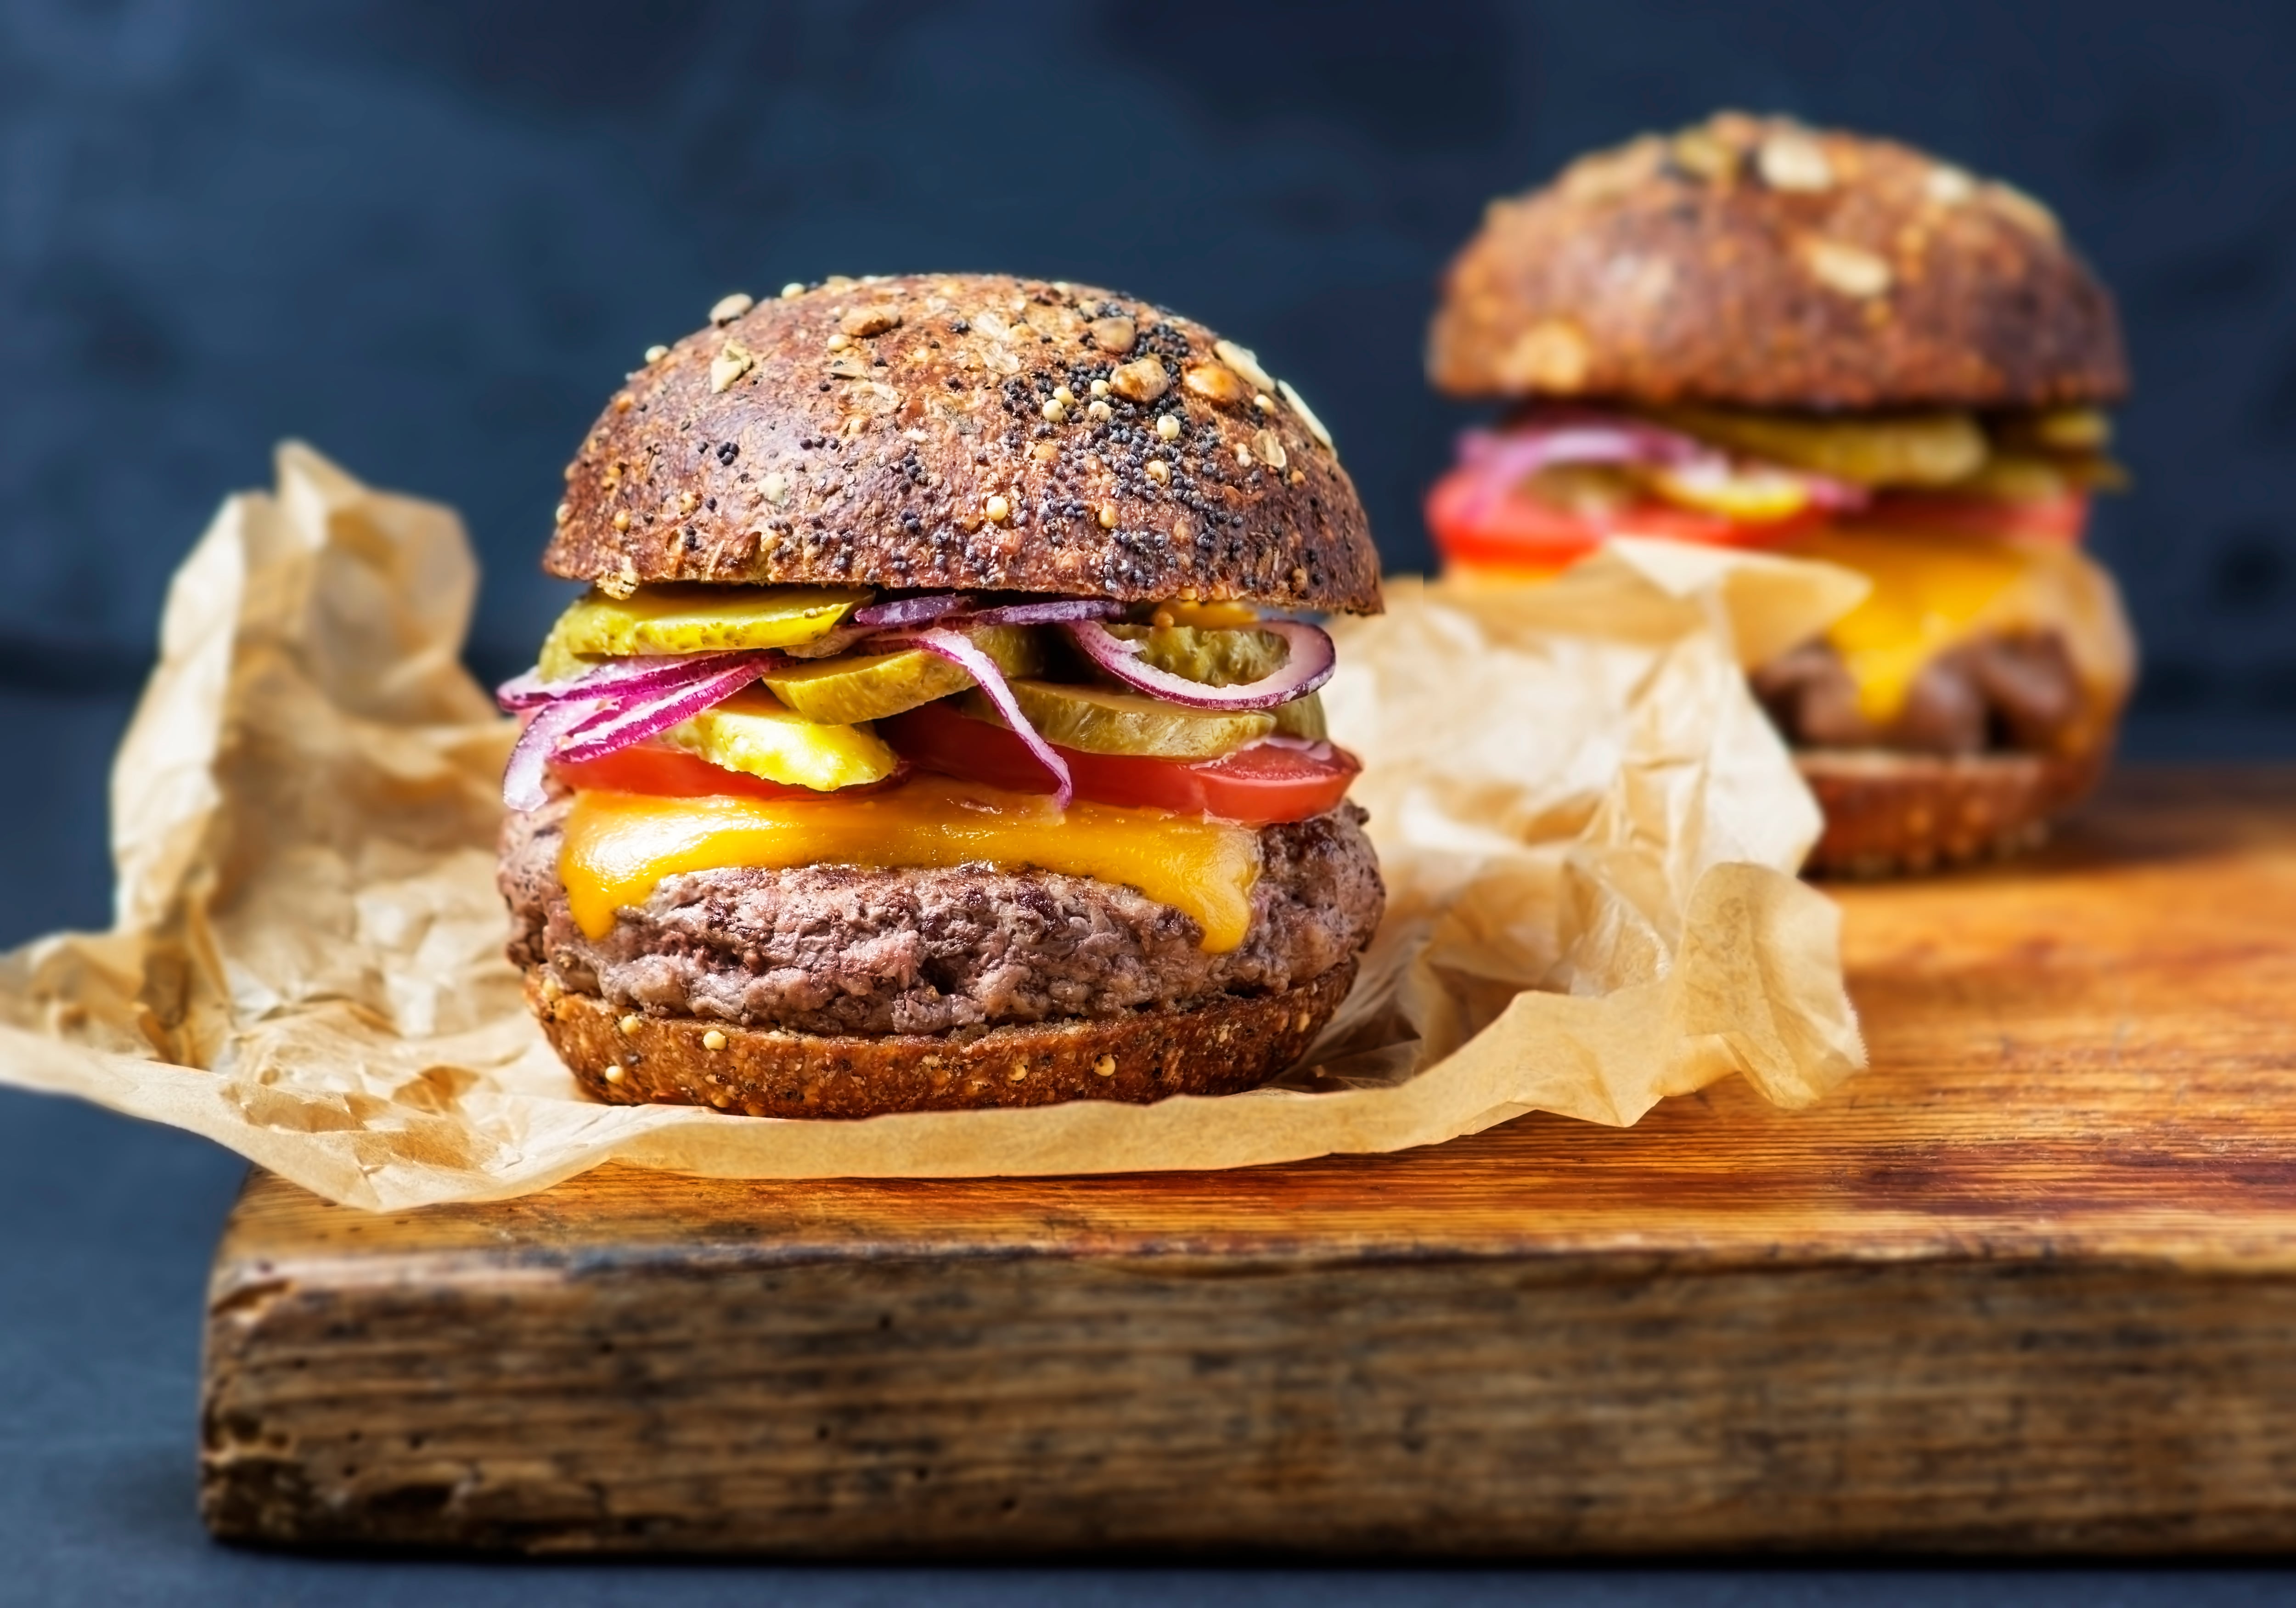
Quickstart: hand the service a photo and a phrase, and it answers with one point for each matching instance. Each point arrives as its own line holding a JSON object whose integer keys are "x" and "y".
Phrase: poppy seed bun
{"x": 1888, "y": 812}
{"x": 1223, "y": 1047}
{"x": 911, "y": 432}
{"x": 1755, "y": 263}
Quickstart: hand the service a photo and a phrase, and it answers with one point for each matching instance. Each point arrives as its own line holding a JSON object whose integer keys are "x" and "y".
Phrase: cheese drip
{"x": 1933, "y": 592}
{"x": 619, "y": 846}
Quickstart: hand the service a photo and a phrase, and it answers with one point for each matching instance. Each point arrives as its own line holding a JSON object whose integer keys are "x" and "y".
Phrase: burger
{"x": 940, "y": 726}
{"x": 1752, "y": 333}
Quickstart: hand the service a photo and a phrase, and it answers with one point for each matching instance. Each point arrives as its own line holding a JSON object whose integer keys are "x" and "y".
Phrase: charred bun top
{"x": 1754, "y": 262}
{"x": 967, "y": 432}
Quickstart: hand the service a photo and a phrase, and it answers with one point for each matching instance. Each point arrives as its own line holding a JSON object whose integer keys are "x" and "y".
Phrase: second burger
{"x": 1755, "y": 333}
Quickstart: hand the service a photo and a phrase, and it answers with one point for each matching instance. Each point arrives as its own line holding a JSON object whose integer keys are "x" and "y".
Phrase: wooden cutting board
{"x": 2028, "y": 1285}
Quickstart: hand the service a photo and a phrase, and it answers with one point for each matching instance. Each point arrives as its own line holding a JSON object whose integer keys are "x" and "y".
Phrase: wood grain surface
{"x": 2029, "y": 1284}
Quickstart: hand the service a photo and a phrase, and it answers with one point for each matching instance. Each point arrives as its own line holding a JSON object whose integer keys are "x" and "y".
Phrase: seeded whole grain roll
{"x": 1222, "y": 1047}
{"x": 1889, "y": 812}
{"x": 966, "y": 432}
{"x": 1753, "y": 262}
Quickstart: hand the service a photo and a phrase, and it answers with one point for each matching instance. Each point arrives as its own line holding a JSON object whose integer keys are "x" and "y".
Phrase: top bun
{"x": 944, "y": 431}
{"x": 1756, "y": 263}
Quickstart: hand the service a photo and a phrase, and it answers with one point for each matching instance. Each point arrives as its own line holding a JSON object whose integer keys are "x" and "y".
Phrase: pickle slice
{"x": 1590, "y": 490}
{"x": 1101, "y": 722}
{"x": 2072, "y": 430}
{"x": 1216, "y": 658}
{"x": 1747, "y": 492}
{"x": 692, "y": 619}
{"x": 753, "y": 734}
{"x": 1871, "y": 449}
{"x": 840, "y": 692}
{"x": 1302, "y": 717}
{"x": 1227, "y": 658}
{"x": 2025, "y": 477}
{"x": 2018, "y": 478}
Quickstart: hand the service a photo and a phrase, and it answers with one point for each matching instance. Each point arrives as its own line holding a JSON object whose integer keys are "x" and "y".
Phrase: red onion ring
{"x": 1500, "y": 460}
{"x": 622, "y": 677}
{"x": 643, "y": 715}
{"x": 611, "y": 708}
{"x": 911, "y": 610}
{"x": 530, "y": 758}
{"x": 965, "y": 656}
{"x": 1053, "y": 611}
{"x": 1306, "y": 666}
{"x": 965, "y": 608}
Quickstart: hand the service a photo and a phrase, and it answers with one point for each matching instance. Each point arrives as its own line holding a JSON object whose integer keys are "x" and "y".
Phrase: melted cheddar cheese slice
{"x": 1933, "y": 592}
{"x": 619, "y": 846}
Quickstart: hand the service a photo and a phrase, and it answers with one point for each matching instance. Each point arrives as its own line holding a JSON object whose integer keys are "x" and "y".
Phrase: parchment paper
{"x": 1587, "y": 830}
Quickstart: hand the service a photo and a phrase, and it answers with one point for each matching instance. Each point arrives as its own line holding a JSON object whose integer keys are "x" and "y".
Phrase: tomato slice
{"x": 1256, "y": 786}
{"x": 1521, "y": 532}
{"x": 668, "y": 773}
{"x": 2057, "y": 519}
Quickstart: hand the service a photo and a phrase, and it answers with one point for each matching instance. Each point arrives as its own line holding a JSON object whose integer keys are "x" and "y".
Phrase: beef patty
{"x": 2014, "y": 692}
{"x": 848, "y": 949}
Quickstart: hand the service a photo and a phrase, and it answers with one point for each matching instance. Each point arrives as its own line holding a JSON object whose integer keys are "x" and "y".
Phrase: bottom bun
{"x": 1888, "y": 813}
{"x": 1233, "y": 1044}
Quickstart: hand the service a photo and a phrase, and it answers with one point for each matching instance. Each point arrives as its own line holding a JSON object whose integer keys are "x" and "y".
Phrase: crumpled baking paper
{"x": 1587, "y": 830}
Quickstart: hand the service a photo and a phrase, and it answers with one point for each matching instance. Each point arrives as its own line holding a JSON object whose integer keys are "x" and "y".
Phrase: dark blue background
{"x": 428, "y": 236}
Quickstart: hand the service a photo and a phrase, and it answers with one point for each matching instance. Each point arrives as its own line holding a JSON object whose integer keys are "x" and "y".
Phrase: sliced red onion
{"x": 1835, "y": 495}
{"x": 1053, "y": 611}
{"x": 1579, "y": 436}
{"x": 621, "y": 677}
{"x": 1500, "y": 460}
{"x": 911, "y": 610}
{"x": 1306, "y": 666}
{"x": 526, "y": 692}
{"x": 522, "y": 786}
{"x": 641, "y": 715}
{"x": 965, "y": 654}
